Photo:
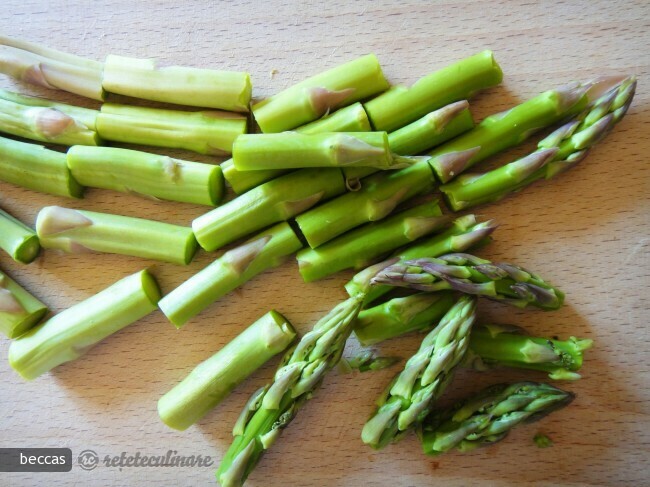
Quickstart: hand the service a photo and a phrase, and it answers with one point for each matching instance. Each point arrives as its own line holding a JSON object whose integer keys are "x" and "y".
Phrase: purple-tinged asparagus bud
{"x": 452, "y": 163}
{"x": 571, "y": 93}
{"x": 533, "y": 293}
{"x": 241, "y": 257}
{"x": 441, "y": 117}
{"x": 528, "y": 165}
{"x": 557, "y": 136}
{"x": 324, "y": 100}
{"x": 349, "y": 150}
{"x": 591, "y": 135}
{"x": 378, "y": 209}
{"x": 295, "y": 207}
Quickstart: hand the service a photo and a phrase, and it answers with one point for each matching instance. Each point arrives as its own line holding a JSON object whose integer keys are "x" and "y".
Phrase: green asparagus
{"x": 19, "y": 310}
{"x": 17, "y": 239}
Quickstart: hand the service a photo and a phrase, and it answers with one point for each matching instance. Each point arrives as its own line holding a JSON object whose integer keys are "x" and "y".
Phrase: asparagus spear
{"x": 359, "y": 247}
{"x": 400, "y": 105}
{"x": 367, "y": 361}
{"x": 19, "y": 310}
{"x": 151, "y": 175}
{"x": 213, "y": 380}
{"x": 412, "y": 393}
{"x": 76, "y": 231}
{"x": 488, "y": 416}
{"x": 237, "y": 266}
{"x": 71, "y": 333}
{"x": 37, "y": 168}
{"x": 558, "y": 152}
{"x": 321, "y": 94}
{"x": 472, "y": 275}
{"x": 17, "y": 239}
{"x": 272, "y": 202}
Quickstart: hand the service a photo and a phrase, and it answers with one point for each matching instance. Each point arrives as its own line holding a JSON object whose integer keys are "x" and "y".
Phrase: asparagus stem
{"x": 358, "y": 248}
{"x": 19, "y": 310}
{"x": 37, "y": 168}
{"x": 507, "y": 129}
{"x": 76, "y": 231}
{"x": 411, "y": 395}
{"x": 45, "y": 121}
{"x": 272, "y": 202}
{"x": 400, "y": 105}
{"x": 71, "y": 333}
{"x": 214, "y": 379}
{"x": 317, "y": 96}
{"x": 367, "y": 361}
{"x": 488, "y": 416}
{"x": 205, "y": 132}
{"x": 377, "y": 198}
{"x": 151, "y": 175}
{"x": 237, "y": 266}
{"x": 17, "y": 239}
{"x": 142, "y": 78}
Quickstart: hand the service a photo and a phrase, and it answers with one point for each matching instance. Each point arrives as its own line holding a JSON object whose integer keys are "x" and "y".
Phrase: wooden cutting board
{"x": 588, "y": 232}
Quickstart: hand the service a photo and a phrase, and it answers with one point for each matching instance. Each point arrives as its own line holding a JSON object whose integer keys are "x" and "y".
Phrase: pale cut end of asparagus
{"x": 19, "y": 310}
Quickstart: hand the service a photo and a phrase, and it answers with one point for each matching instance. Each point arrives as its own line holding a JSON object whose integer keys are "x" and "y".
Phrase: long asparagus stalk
{"x": 76, "y": 231}
{"x": 17, "y": 239}
{"x": 213, "y": 380}
{"x": 19, "y": 310}
{"x": 71, "y": 333}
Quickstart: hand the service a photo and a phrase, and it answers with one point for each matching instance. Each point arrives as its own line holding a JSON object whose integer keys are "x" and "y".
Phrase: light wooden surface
{"x": 588, "y": 232}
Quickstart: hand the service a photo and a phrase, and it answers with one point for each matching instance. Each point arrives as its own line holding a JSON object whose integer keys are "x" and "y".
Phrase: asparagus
{"x": 488, "y": 417}
{"x": 213, "y": 380}
{"x": 272, "y": 202}
{"x": 469, "y": 274}
{"x": 17, "y": 239}
{"x": 411, "y": 395}
{"x": 151, "y": 175}
{"x": 78, "y": 231}
{"x": 507, "y": 129}
{"x": 400, "y": 105}
{"x": 237, "y": 266}
{"x": 205, "y": 132}
{"x": 19, "y": 310}
{"x": 558, "y": 152}
{"x": 37, "y": 168}
{"x": 71, "y": 333}
{"x": 321, "y": 94}
{"x": 366, "y": 361}
{"x": 46, "y": 121}
{"x": 349, "y": 119}
{"x": 359, "y": 247}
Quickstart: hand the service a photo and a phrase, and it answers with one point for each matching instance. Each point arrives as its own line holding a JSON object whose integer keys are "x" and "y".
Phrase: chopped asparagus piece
{"x": 17, "y": 239}
{"x": 19, "y": 310}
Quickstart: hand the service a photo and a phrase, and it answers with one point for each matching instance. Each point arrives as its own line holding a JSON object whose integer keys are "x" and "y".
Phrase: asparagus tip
{"x": 453, "y": 163}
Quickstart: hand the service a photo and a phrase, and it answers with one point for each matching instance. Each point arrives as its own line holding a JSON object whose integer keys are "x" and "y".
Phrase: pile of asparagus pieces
{"x": 343, "y": 174}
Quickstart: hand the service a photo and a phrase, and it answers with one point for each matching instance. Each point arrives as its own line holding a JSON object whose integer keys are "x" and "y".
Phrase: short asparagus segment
{"x": 321, "y": 94}
{"x": 79, "y": 231}
{"x": 507, "y": 129}
{"x": 19, "y": 310}
{"x": 17, "y": 239}
{"x": 272, "y": 202}
{"x": 400, "y": 105}
{"x": 488, "y": 416}
{"x": 37, "y": 168}
{"x": 411, "y": 395}
{"x": 149, "y": 175}
{"x": 215, "y": 378}
{"x": 237, "y": 266}
{"x": 71, "y": 333}
{"x": 469, "y": 274}
{"x": 360, "y": 247}
{"x": 205, "y": 132}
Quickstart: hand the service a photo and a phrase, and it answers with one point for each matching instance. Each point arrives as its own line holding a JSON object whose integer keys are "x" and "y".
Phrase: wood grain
{"x": 588, "y": 232}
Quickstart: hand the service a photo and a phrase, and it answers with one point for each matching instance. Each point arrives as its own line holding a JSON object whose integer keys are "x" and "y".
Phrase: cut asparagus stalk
{"x": 377, "y": 198}
{"x": 360, "y": 247}
{"x": 488, "y": 416}
{"x": 142, "y": 78}
{"x": 17, "y": 239}
{"x": 321, "y": 94}
{"x": 413, "y": 392}
{"x": 237, "y": 266}
{"x": 205, "y": 132}
{"x": 272, "y": 202}
{"x": 214, "y": 379}
{"x": 349, "y": 119}
{"x": 77, "y": 231}
{"x": 71, "y": 333}
{"x": 145, "y": 174}
{"x": 46, "y": 121}
{"x": 507, "y": 129}
{"x": 37, "y": 168}
{"x": 19, "y": 310}
{"x": 400, "y": 105}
